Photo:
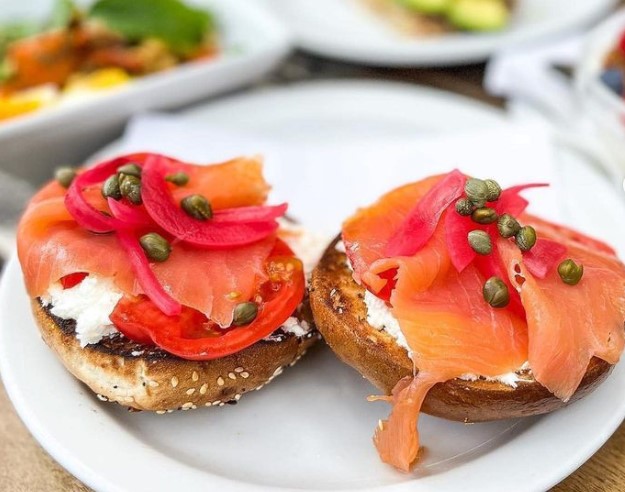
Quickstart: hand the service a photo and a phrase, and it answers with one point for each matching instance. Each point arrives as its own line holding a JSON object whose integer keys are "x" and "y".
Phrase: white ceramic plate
{"x": 343, "y": 29}
{"x": 311, "y": 429}
{"x": 254, "y": 42}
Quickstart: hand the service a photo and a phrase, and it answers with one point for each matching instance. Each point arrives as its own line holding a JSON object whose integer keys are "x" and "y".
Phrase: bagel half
{"x": 147, "y": 378}
{"x": 340, "y": 314}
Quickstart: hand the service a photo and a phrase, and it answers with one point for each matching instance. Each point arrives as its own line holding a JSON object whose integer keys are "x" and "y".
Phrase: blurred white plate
{"x": 311, "y": 429}
{"x": 345, "y": 30}
{"x": 254, "y": 42}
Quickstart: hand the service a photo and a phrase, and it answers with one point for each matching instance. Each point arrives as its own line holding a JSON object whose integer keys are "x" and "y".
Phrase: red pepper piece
{"x": 250, "y": 214}
{"x": 420, "y": 223}
{"x": 73, "y": 279}
{"x": 544, "y": 256}
{"x": 160, "y": 204}
{"x": 492, "y": 266}
{"x": 511, "y": 202}
{"x": 131, "y": 216}
{"x": 145, "y": 276}
{"x": 83, "y": 212}
{"x": 457, "y": 230}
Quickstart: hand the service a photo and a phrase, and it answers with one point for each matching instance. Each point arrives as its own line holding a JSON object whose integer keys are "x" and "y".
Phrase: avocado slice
{"x": 478, "y": 15}
{"x": 429, "y": 7}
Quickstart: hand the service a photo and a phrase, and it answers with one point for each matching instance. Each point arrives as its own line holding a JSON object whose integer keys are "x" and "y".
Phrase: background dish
{"x": 605, "y": 109}
{"x": 344, "y": 30}
{"x": 305, "y": 425}
{"x": 253, "y": 44}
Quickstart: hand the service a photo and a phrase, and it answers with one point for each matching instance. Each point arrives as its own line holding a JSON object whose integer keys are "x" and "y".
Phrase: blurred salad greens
{"x": 181, "y": 27}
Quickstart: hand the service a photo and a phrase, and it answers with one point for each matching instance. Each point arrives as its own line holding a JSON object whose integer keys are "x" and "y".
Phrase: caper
{"x": 110, "y": 188}
{"x": 244, "y": 313}
{"x": 570, "y": 272}
{"x": 496, "y": 293}
{"x": 130, "y": 170}
{"x": 480, "y": 242}
{"x": 476, "y": 191}
{"x": 155, "y": 246}
{"x": 464, "y": 207}
{"x": 65, "y": 176}
{"x": 484, "y": 215}
{"x": 197, "y": 207}
{"x": 508, "y": 226}
{"x": 130, "y": 188}
{"x": 494, "y": 190}
{"x": 525, "y": 238}
{"x": 179, "y": 179}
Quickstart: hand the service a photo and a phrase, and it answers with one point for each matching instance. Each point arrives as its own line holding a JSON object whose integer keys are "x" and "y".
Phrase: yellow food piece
{"x": 105, "y": 78}
{"x": 27, "y": 101}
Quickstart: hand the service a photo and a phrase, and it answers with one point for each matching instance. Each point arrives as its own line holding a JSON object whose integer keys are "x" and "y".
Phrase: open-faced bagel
{"x": 147, "y": 378}
{"x": 340, "y": 314}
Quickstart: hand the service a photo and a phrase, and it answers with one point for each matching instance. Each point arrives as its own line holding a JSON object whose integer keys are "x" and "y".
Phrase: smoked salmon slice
{"x": 569, "y": 325}
{"x": 51, "y": 245}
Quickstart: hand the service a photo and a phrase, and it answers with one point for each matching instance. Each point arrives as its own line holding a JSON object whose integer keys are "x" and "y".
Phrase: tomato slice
{"x": 190, "y": 335}
{"x": 133, "y": 314}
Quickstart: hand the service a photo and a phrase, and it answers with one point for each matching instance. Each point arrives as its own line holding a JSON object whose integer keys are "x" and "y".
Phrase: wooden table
{"x": 25, "y": 466}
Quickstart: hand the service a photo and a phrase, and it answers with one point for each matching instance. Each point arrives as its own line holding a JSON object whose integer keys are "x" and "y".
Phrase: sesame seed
{"x": 170, "y": 411}
{"x": 277, "y": 372}
{"x": 187, "y": 405}
{"x": 238, "y": 369}
{"x": 153, "y": 384}
{"x": 203, "y": 389}
{"x": 207, "y": 404}
{"x": 102, "y": 397}
{"x": 190, "y": 391}
{"x": 174, "y": 381}
{"x": 160, "y": 412}
{"x": 237, "y": 397}
{"x": 221, "y": 404}
{"x": 220, "y": 381}
{"x": 195, "y": 376}
{"x": 216, "y": 402}
{"x": 245, "y": 374}
{"x": 232, "y": 375}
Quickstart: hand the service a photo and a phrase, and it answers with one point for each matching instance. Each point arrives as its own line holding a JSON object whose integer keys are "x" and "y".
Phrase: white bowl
{"x": 605, "y": 109}
{"x": 253, "y": 44}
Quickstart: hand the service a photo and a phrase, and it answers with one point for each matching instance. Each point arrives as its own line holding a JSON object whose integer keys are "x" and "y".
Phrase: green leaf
{"x": 63, "y": 12}
{"x": 181, "y": 27}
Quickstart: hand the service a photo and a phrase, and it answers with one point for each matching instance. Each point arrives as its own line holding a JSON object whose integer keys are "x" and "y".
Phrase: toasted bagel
{"x": 147, "y": 378}
{"x": 340, "y": 314}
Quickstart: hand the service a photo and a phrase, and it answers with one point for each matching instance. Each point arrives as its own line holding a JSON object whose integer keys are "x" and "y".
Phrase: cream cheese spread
{"x": 90, "y": 303}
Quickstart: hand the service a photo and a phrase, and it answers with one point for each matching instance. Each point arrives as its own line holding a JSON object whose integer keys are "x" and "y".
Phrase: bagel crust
{"x": 340, "y": 314}
{"x": 147, "y": 378}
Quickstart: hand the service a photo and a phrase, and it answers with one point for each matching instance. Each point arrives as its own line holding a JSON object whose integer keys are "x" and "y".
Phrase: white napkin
{"x": 528, "y": 74}
{"x": 326, "y": 183}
